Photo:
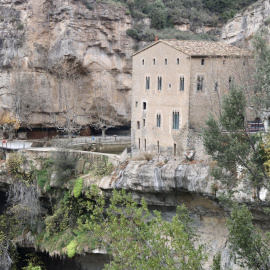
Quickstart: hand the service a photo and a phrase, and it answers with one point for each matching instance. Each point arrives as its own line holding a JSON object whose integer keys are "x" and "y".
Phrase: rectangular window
{"x": 158, "y": 120}
{"x": 144, "y": 105}
{"x": 136, "y": 104}
{"x": 182, "y": 83}
{"x": 175, "y": 120}
{"x": 144, "y": 122}
{"x": 158, "y": 147}
{"x": 139, "y": 143}
{"x": 166, "y": 61}
{"x": 178, "y": 61}
{"x": 159, "y": 83}
{"x": 200, "y": 83}
{"x": 154, "y": 61}
{"x": 174, "y": 149}
{"x": 144, "y": 144}
{"x": 143, "y": 62}
{"x": 202, "y": 62}
{"x": 147, "y": 83}
{"x": 138, "y": 124}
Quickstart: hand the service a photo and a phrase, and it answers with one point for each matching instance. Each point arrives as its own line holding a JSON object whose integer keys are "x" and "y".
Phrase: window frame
{"x": 158, "y": 120}
{"x": 175, "y": 120}
{"x": 159, "y": 83}
{"x": 200, "y": 83}
{"x": 147, "y": 82}
{"x": 182, "y": 83}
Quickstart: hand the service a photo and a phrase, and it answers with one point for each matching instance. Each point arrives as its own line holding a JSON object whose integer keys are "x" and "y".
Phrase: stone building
{"x": 176, "y": 84}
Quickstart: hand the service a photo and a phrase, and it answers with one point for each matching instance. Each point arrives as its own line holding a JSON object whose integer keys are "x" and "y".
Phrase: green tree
{"x": 232, "y": 147}
{"x": 135, "y": 238}
{"x": 158, "y": 15}
{"x": 248, "y": 247}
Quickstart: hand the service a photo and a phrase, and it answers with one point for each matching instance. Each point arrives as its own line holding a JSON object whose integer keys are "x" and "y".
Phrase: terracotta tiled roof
{"x": 203, "y": 48}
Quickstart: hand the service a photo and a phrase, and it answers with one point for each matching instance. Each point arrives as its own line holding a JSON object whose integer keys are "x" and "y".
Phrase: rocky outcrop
{"x": 245, "y": 24}
{"x": 166, "y": 185}
{"x": 57, "y": 58}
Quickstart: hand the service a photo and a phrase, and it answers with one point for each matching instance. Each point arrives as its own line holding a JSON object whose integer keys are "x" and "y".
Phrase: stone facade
{"x": 176, "y": 84}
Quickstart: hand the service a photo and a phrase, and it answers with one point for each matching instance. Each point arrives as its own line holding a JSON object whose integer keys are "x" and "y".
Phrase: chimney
{"x": 156, "y": 38}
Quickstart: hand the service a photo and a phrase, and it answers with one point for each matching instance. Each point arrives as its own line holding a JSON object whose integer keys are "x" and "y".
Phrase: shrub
{"x": 64, "y": 165}
{"x": 102, "y": 168}
{"x": 14, "y": 163}
{"x": 20, "y": 26}
{"x": 59, "y": 221}
{"x": 88, "y": 4}
{"x": 71, "y": 249}
{"x": 78, "y": 187}
{"x": 148, "y": 34}
{"x": 42, "y": 177}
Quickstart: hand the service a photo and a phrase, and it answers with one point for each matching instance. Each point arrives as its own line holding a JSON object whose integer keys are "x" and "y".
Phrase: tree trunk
{"x": 11, "y": 135}
{"x": 103, "y": 132}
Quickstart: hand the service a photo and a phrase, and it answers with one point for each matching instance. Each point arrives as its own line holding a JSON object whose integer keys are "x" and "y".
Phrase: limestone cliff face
{"x": 58, "y": 57}
{"x": 244, "y": 25}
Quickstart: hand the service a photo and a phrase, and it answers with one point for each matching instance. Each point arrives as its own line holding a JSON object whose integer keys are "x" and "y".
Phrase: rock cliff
{"x": 57, "y": 58}
{"x": 245, "y": 24}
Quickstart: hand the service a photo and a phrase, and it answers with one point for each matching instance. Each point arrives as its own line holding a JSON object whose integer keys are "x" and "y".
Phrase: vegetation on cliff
{"x": 165, "y": 14}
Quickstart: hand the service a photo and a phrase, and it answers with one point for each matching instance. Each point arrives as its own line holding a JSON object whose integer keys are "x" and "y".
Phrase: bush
{"x": 14, "y": 163}
{"x": 42, "y": 177}
{"x": 71, "y": 249}
{"x": 102, "y": 168}
{"x": 78, "y": 187}
{"x": 64, "y": 165}
{"x": 88, "y": 4}
{"x": 59, "y": 221}
{"x": 140, "y": 33}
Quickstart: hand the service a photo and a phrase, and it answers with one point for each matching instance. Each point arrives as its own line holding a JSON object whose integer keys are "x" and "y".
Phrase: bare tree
{"x": 109, "y": 108}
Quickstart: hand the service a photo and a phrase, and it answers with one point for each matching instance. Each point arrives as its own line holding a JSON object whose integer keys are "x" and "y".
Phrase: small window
{"x": 139, "y": 142}
{"x": 159, "y": 83}
{"x": 144, "y": 105}
{"x": 200, "y": 80}
{"x": 174, "y": 149}
{"x": 202, "y": 62}
{"x": 224, "y": 62}
{"x": 175, "y": 120}
{"x": 170, "y": 85}
{"x": 182, "y": 83}
{"x": 158, "y": 120}
{"x": 136, "y": 104}
{"x": 166, "y": 61}
{"x": 138, "y": 125}
{"x": 178, "y": 61}
{"x": 143, "y": 62}
{"x": 144, "y": 144}
{"x": 147, "y": 83}
{"x": 154, "y": 61}
{"x": 216, "y": 86}
{"x": 144, "y": 122}
{"x": 158, "y": 150}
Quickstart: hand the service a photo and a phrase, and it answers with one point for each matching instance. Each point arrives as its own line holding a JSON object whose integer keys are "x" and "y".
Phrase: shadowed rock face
{"x": 59, "y": 56}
